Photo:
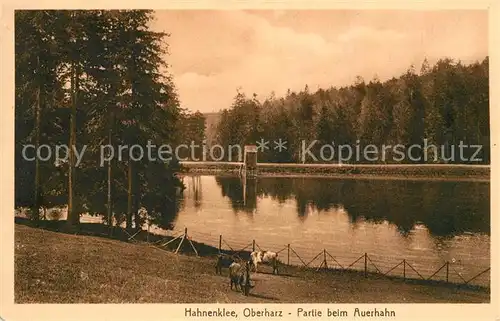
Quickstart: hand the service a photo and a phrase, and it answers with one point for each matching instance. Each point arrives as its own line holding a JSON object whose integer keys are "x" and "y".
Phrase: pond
{"x": 427, "y": 223}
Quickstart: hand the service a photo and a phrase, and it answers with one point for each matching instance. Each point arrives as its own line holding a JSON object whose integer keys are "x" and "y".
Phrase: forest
{"x": 88, "y": 78}
{"x": 94, "y": 77}
{"x": 444, "y": 105}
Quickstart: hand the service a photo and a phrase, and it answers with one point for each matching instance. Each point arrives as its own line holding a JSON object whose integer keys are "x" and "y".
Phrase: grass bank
{"x": 423, "y": 171}
{"x": 52, "y": 267}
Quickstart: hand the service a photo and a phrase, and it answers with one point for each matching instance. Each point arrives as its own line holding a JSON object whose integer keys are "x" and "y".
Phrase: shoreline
{"x": 474, "y": 173}
{"x": 221, "y": 172}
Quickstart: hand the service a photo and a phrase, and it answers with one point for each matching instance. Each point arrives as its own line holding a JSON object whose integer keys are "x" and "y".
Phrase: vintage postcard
{"x": 286, "y": 161}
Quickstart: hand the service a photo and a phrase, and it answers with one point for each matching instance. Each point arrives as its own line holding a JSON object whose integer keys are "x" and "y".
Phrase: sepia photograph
{"x": 252, "y": 156}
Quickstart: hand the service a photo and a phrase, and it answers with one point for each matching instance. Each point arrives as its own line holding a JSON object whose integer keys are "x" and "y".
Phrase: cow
{"x": 239, "y": 275}
{"x": 265, "y": 257}
{"x": 223, "y": 260}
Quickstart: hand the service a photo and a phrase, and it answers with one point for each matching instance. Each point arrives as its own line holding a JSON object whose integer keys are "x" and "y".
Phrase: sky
{"x": 212, "y": 54}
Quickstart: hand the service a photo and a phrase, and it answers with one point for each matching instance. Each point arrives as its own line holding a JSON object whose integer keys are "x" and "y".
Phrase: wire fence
{"x": 409, "y": 268}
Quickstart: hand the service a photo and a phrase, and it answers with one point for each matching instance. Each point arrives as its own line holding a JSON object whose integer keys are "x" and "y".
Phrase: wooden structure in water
{"x": 249, "y": 176}
{"x": 249, "y": 191}
{"x": 250, "y": 161}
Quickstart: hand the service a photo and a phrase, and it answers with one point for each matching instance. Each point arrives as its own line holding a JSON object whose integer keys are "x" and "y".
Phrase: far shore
{"x": 438, "y": 172}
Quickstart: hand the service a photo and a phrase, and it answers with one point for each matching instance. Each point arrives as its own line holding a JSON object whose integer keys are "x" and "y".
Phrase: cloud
{"x": 370, "y": 34}
{"x": 215, "y": 52}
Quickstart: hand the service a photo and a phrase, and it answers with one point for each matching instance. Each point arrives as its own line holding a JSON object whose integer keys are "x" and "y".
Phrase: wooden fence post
{"x": 447, "y": 270}
{"x": 404, "y": 269}
{"x": 288, "y": 257}
{"x": 366, "y": 265}
{"x": 182, "y": 240}
{"x": 220, "y": 243}
{"x": 247, "y": 278}
{"x": 253, "y": 246}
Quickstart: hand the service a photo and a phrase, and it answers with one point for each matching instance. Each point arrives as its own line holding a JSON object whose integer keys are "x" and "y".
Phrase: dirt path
{"x": 342, "y": 287}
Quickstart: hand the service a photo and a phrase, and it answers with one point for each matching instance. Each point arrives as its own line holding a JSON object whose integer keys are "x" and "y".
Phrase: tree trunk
{"x": 130, "y": 195}
{"x": 35, "y": 216}
{"x": 135, "y": 206}
{"x": 110, "y": 205}
{"x": 130, "y": 190}
{"x": 73, "y": 216}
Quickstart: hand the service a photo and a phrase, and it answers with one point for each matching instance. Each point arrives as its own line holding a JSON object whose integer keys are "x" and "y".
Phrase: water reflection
{"x": 240, "y": 192}
{"x": 249, "y": 193}
{"x": 197, "y": 191}
{"x": 427, "y": 223}
{"x": 166, "y": 218}
{"x": 445, "y": 208}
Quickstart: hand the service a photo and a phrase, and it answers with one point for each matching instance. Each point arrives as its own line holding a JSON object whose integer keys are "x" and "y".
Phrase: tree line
{"x": 92, "y": 78}
{"x": 442, "y": 105}
{"x": 98, "y": 77}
